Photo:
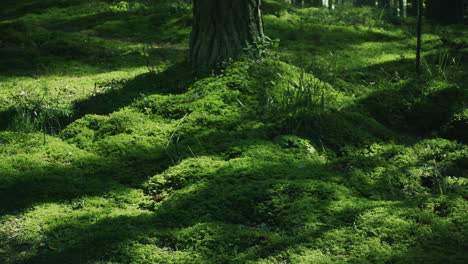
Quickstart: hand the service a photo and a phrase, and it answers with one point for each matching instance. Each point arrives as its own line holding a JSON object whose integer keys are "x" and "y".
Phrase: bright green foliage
{"x": 343, "y": 158}
{"x": 431, "y": 166}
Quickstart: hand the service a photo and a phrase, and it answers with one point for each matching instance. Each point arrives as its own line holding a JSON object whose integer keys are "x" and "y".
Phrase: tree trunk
{"x": 419, "y": 37}
{"x": 395, "y": 8}
{"x": 403, "y": 7}
{"x": 222, "y": 30}
{"x": 297, "y": 3}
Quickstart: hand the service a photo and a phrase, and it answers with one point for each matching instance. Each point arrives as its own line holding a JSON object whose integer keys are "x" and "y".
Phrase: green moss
{"x": 456, "y": 126}
{"x": 408, "y": 105}
{"x": 92, "y": 129}
{"x": 263, "y": 162}
{"x": 274, "y": 7}
{"x": 431, "y": 166}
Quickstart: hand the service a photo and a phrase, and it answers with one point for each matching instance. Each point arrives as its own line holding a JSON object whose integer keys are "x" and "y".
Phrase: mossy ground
{"x": 338, "y": 154}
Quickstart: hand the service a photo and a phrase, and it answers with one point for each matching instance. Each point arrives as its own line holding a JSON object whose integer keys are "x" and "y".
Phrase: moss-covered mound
{"x": 215, "y": 175}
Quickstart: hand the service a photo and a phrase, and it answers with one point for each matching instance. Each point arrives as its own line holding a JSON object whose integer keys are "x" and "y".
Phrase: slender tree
{"x": 403, "y": 8}
{"x": 223, "y": 29}
{"x": 395, "y": 9}
{"x": 419, "y": 33}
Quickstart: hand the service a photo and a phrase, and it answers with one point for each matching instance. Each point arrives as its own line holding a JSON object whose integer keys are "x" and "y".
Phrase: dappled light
{"x": 310, "y": 138}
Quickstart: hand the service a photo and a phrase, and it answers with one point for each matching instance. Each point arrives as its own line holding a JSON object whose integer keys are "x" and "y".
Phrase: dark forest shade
{"x": 450, "y": 12}
{"x": 222, "y": 30}
{"x": 307, "y": 3}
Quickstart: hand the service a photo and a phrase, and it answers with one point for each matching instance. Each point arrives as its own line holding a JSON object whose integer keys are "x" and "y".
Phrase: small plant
{"x": 263, "y": 47}
{"x": 124, "y": 6}
{"x": 328, "y": 68}
{"x": 34, "y": 112}
{"x": 305, "y": 94}
{"x": 78, "y": 204}
{"x": 103, "y": 87}
{"x": 444, "y": 65}
{"x": 145, "y": 53}
{"x": 301, "y": 104}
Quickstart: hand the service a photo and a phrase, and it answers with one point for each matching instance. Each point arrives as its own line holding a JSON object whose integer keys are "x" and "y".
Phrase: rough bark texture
{"x": 223, "y": 29}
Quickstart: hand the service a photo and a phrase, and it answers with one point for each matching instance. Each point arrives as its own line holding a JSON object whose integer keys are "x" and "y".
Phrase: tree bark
{"x": 403, "y": 8}
{"x": 419, "y": 37}
{"x": 222, "y": 30}
{"x": 297, "y": 3}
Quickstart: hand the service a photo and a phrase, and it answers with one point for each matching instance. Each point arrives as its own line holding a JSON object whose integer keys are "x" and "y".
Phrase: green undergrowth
{"x": 65, "y": 50}
{"x": 346, "y": 158}
{"x": 209, "y": 176}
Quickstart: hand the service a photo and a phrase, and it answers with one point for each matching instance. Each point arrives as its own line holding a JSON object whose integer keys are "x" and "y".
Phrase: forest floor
{"x": 326, "y": 148}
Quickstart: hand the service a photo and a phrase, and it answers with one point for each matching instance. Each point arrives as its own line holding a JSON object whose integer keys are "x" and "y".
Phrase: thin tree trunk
{"x": 419, "y": 33}
{"x": 396, "y": 8}
{"x": 403, "y": 6}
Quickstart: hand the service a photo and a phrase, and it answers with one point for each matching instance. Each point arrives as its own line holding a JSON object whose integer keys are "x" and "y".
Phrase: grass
{"x": 335, "y": 154}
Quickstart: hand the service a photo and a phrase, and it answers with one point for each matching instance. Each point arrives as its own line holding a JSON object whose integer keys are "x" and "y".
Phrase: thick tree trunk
{"x": 222, "y": 30}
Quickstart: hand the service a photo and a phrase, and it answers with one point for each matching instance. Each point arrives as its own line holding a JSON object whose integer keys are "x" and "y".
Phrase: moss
{"x": 455, "y": 128}
{"x": 431, "y": 166}
{"x": 89, "y": 131}
{"x": 407, "y": 105}
{"x": 237, "y": 192}
{"x": 274, "y": 7}
{"x": 295, "y": 142}
{"x": 307, "y": 161}
{"x": 167, "y": 106}
{"x": 82, "y": 132}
